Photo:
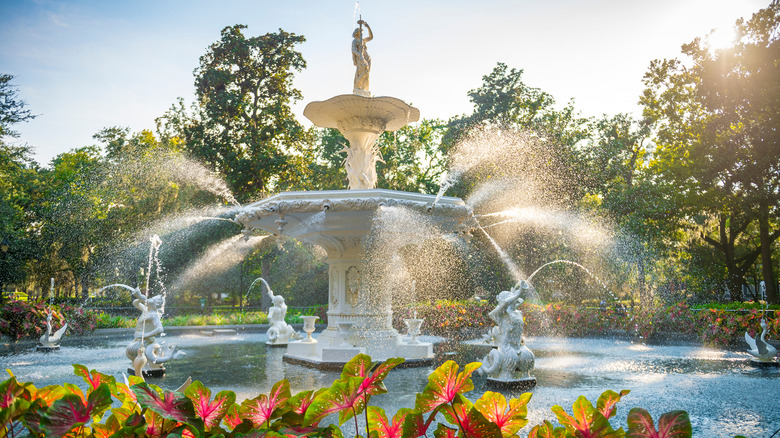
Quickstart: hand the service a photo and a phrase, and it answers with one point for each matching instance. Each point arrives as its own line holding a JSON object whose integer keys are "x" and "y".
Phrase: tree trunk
{"x": 766, "y": 253}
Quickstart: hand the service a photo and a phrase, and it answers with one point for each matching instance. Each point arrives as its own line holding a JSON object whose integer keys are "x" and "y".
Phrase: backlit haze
{"x": 84, "y": 65}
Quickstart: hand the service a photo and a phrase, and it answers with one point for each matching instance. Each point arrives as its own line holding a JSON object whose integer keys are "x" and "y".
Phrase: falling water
{"x": 569, "y": 262}
{"x": 154, "y": 262}
{"x": 267, "y": 287}
{"x": 510, "y": 264}
{"x": 219, "y": 258}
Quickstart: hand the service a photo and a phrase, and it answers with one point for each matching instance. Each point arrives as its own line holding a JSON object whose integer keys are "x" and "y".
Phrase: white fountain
{"x": 344, "y": 222}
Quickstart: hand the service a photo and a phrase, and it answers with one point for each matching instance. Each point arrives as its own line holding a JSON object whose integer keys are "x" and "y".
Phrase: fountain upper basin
{"x": 346, "y": 214}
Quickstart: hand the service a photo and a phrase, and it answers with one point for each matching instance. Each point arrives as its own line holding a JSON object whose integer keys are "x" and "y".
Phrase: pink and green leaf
{"x": 606, "y": 402}
{"x": 509, "y": 417}
{"x": 70, "y": 411}
{"x": 443, "y": 431}
{"x": 210, "y": 411}
{"x": 675, "y": 424}
{"x": 414, "y": 424}
{"x": 444, "y": 384}
{"x": 342, "y": 397}
{"x": 361, "y": 366}
{"x": 586, "y": 420}
{"x": 381, "y": 427}
{"x": 50, "y": 393}
{"x": 469, "y": 420}
{"x": 169, "y": 405}
{"x": 232, "y": 416}
{"x": 547, "y": 430}
{"x": 264, "y": 408}
{"x": 299, "y": 404}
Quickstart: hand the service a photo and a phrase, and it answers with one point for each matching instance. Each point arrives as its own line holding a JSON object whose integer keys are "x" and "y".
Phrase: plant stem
{"x": 354, "y": 415}
{"x": 366, "y": 412}
{"x": 455, "y": 414}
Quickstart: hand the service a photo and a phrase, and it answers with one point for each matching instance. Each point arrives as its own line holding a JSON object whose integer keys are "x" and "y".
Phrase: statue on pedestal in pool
{"x": 512, "y": 356}
{"x": 279, "y": 333}
{"x": 361, "y": 59}
{"x": 144, "y": 343}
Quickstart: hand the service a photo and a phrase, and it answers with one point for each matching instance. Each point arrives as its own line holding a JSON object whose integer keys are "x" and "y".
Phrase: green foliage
{"x": 145, "y": 409}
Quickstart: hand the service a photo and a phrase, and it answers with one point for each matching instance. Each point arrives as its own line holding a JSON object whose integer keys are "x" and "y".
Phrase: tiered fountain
{"x": 340, "y": 221}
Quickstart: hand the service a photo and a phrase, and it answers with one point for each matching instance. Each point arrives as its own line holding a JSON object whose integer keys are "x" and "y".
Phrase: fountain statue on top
{"x": 361, "y": 59}
{"x": 509, "y": 366}
{"x": 340, "y": 221}
{"x": 762, "y": 351}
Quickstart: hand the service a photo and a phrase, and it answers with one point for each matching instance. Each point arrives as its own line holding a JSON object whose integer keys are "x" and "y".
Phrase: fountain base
{"x": 764, "y": 363}
{"x": 321, "y": 356}
{"x": 276, "y": 344}
{"x": 155, "y": 373}
{"x": 47, "y": 348}
{"x": 508, "y": 384}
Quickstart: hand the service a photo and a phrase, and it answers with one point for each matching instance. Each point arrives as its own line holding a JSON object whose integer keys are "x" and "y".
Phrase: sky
{"x": 82, "y": 65}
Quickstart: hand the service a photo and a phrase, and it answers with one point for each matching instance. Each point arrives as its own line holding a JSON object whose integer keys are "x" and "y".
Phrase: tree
{"x": 243, "y": 125}
{"x": 716, "y": 119}
{"x": 12, "y": 109}
{"x": 505, "y": 102}
{"x": 19, "y": 188}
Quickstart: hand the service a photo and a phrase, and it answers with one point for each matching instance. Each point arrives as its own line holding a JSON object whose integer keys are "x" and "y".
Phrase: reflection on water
{"x": 723, "y": 394}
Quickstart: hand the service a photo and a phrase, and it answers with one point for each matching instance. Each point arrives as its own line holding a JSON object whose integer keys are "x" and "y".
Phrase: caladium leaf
{"x": 586, "y": 422}
{"x": 299, "y": 404}
{"x": 509, "y": 417}
{"x": 361, "y": 366}
{"x": 444, "y": 384}
{"x": 381, "y": 427}
{"x": 232, "y": 417}
{"x": 606, "y": 402}
{"x": 70, "y": 411}
{"x": 32, "y": 418}
{"x": 14, "y": 397}
{"x": 443, "y": 431}
{"x": 469, "y": 420}
{"x": 50, "y": 393}
{"x": 675, "y": 424}
{"x": 264, "y": 408}
{"x": 546, "y": 430}
{"x": 414, "y": 425}
{"x": 210, "y": 411}
{"x": 169, "y": 405}
{"x": 343, "y": 397}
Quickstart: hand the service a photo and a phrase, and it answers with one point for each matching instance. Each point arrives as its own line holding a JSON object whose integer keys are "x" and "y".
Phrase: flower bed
{"x": 469, "y": 319}
{"x": 21, "y": 319}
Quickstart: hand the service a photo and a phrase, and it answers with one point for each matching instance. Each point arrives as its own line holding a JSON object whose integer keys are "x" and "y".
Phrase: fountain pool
{"x": 723, "y": 394}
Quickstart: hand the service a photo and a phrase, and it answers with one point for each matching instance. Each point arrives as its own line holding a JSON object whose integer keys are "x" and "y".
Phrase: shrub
{"x": 141, "y": 409}
{"x": 23, "y": 320}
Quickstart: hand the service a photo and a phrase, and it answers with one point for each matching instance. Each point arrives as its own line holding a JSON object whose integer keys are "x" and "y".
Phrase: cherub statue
{"x": 279, "y": 332}
{"x": 149, "y": 326}
{"x": 512, "y": 354}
